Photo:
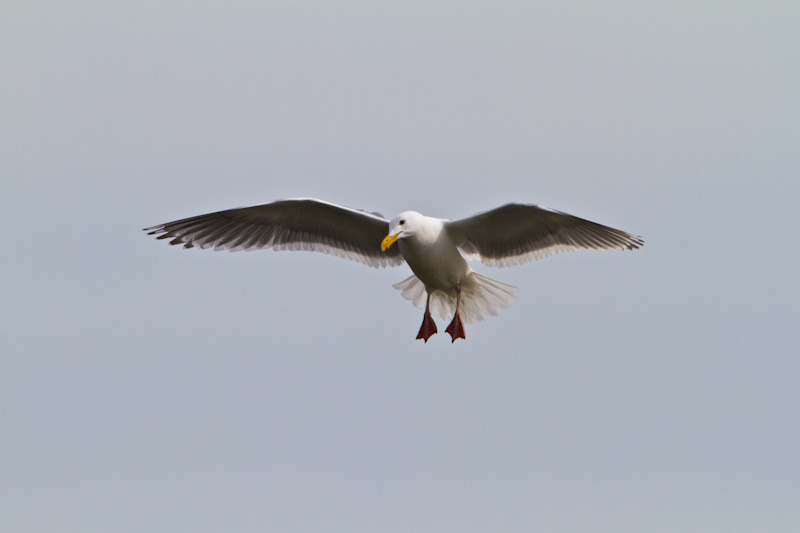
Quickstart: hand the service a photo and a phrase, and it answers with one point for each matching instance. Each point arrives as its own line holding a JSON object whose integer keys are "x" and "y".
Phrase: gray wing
{"x": 517, "y": 233}
{"x": 294, "y": 224}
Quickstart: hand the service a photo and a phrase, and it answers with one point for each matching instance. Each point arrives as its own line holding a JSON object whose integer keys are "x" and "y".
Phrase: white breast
{"x": 433, "y": 257}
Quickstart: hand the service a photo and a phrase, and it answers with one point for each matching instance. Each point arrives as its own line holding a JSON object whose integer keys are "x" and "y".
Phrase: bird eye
{"x": 402, "y": 222}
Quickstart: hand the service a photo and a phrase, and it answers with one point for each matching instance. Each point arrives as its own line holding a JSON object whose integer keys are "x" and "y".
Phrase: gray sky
{"x": 149, "y": 388}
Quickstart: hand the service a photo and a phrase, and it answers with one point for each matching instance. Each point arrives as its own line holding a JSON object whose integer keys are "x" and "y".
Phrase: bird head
{"x": 402, "y": 226}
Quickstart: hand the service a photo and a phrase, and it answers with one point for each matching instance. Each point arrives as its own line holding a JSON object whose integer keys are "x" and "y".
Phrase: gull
{"x": 435, "y": 249}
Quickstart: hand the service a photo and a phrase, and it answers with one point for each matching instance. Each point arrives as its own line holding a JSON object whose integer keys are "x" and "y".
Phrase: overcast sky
{"x": 145, "y": 387}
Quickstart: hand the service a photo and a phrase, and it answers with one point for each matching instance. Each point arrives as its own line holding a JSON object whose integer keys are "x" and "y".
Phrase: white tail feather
{"x": 481, "y": 297}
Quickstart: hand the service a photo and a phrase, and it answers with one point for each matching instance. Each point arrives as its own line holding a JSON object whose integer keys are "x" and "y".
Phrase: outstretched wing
{"x": 294, "y": 224}
{"x": 517, "y": 233}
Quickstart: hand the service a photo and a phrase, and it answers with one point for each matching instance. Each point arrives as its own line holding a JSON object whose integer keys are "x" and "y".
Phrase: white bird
{"x": 443, "y": 282}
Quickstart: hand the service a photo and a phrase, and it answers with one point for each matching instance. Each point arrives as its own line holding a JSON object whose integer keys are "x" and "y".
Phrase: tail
{"x": 481, "y": 297}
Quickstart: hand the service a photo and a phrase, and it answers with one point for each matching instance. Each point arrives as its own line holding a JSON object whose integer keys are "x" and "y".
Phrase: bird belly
{"x": 439, "y": 268}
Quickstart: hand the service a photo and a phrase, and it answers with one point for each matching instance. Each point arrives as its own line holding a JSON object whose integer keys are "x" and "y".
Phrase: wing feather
{"x": 293, "y": 224}
{"x": 517, "y": 233}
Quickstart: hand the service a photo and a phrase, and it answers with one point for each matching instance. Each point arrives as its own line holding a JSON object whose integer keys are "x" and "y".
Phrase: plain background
{"x": 149, "y": 388}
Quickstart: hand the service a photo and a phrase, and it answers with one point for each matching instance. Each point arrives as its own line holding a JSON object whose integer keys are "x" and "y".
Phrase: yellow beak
{"x": 389, "y": 240}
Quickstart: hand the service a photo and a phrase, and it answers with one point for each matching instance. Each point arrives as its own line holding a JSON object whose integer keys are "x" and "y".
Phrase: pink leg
{"x": 456, "y": 327}
{"x": 428, "y": 327}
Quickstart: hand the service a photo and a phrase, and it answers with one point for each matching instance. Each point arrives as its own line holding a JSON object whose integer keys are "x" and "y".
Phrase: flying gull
{"x": 435, "y": 249}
